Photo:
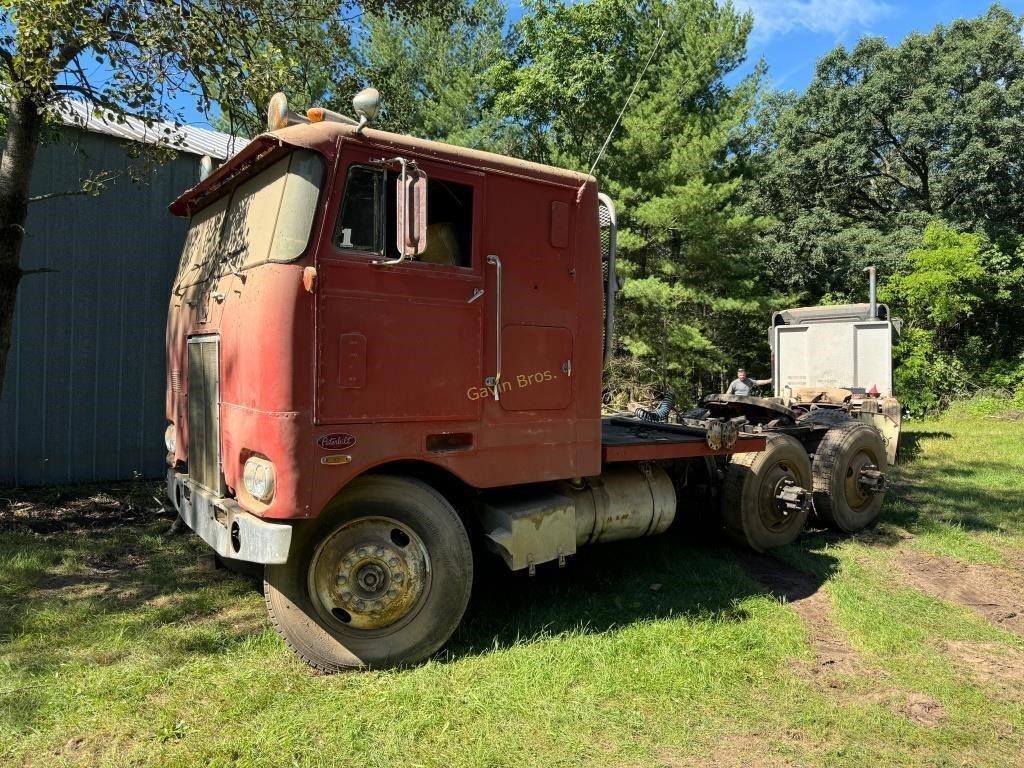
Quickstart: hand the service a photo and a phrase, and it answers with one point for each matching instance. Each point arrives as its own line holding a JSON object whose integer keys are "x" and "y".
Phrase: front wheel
{"x": 380, "y": 579}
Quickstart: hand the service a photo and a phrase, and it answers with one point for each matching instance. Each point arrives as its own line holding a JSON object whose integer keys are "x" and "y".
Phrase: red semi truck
{"x": 385, "y": 356}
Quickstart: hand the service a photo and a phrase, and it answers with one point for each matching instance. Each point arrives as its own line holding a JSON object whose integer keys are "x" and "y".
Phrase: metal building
{"x": 83, "y": 398}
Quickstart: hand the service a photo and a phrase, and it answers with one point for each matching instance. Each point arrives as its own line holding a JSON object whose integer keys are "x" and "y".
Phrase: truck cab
{"x": 839, "y": 357}
{"x": 384, "y": 353}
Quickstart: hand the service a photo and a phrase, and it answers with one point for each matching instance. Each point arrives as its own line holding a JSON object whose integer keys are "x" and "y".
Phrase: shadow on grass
{"x": 968, "y": 493}
{"x": 919, "y": 509}
{"x": 80, "y": 589}
{"x": 910, "y": 446}
{"x": 51, "y": 509}
{"x": 611, "y": 586}
{"x": 85, "y": 594}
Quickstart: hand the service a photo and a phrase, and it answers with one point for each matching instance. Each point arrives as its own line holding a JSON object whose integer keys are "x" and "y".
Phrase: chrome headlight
{"x": 169, "y": 438}
{"x": 259, "y": 479}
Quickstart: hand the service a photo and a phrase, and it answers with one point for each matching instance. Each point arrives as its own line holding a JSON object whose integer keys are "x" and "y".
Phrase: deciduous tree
{"x": 148, "y": 59}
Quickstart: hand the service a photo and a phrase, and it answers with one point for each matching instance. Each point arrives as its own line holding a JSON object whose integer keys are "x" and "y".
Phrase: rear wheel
{"x": 764, "y": 502}
{"x": 849, "y": 477}
{"x": 380, "y": 579}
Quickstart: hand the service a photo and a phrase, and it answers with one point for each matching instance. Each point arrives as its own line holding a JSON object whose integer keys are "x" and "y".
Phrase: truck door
{"x": 533, "y": 308}
{"x": 399, "y": 342}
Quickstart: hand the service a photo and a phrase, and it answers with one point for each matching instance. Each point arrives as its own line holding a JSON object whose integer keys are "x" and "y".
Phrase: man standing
{"x": 742, "y": 385}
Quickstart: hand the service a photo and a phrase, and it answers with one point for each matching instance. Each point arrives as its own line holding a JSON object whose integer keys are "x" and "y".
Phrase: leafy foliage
{"x": 957, "y": 289}
{"x": 907, "y": 157}
{"x": 436, "y": 72}
{"x": 691, "y": 294}
{"x": 148, "y": 58}
{"x": 732, "y": 201}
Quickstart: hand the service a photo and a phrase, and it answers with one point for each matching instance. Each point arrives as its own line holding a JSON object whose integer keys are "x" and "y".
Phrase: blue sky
{"x": 791, "y": 35}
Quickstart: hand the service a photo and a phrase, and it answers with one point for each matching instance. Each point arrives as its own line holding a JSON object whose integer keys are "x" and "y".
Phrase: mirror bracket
{"x": 409, "y": 176}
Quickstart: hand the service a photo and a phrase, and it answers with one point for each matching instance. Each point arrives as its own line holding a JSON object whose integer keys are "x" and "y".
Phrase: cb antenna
{"x": 628, "y": 99}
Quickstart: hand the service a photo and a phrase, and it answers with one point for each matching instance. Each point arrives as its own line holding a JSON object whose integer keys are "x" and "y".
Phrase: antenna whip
{"x": 628, "y": 99}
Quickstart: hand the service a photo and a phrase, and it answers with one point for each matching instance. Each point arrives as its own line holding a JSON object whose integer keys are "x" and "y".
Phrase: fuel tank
{"x": 625, "y": 501}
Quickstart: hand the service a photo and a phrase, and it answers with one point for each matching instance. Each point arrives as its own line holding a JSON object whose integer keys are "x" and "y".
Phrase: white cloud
{"x": 773, "y": 18}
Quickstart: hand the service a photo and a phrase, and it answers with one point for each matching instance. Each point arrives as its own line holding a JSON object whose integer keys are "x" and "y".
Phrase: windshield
{"x": 267, "y": 218}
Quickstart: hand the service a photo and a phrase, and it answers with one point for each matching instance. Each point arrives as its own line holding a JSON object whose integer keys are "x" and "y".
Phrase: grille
{"x": 606, "y": 222}
{"x": 204, "y": 412}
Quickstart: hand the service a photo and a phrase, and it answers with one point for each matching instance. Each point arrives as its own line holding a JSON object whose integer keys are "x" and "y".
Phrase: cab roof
{"x": 323, "y": 137}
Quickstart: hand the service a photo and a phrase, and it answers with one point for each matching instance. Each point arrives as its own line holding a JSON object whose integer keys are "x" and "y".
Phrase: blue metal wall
{"x": 83, "y": 398}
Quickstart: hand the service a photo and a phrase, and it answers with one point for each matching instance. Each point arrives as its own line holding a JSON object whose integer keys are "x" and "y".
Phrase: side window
{"x": 367, "y": 220}
{"x": 360, "y": 226}
{"x": 449, "y": 224}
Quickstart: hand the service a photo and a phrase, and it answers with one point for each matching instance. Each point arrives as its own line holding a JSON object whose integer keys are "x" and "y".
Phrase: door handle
{"x": 495, "y": 380}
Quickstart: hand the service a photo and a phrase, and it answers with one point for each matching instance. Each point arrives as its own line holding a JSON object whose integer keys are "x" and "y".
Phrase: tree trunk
{"x": 19, "y": 156}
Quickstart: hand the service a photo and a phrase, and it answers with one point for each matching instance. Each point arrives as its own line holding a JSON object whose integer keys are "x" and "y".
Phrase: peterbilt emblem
{"x": 339, "y": 441}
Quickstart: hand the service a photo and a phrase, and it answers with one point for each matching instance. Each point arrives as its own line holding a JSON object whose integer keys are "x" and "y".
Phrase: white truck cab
{"x": 839, "y": 356}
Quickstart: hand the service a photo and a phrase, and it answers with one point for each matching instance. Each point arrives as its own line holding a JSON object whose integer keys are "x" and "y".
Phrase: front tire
{"x": 380, "y": 579}
{"x": 751, "y": 510}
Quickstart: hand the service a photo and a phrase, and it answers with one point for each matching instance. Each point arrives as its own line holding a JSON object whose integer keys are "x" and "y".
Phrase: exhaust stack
{"x": 872, "y": 293}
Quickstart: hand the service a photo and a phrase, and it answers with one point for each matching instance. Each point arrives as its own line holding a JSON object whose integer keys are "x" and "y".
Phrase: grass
{"x": 117, "y": 648}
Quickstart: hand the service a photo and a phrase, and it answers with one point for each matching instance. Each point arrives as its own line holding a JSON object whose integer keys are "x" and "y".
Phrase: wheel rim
{"x": 369, "y": 576}
{"x": 857, "y": 497}
{"x": 775, "y": 515}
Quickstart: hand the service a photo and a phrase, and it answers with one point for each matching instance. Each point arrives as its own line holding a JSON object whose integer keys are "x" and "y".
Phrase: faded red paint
{"x": 392, "y": 357}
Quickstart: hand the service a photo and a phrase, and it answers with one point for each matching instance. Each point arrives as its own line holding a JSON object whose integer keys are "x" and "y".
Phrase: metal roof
{"x": 184, "y": 138}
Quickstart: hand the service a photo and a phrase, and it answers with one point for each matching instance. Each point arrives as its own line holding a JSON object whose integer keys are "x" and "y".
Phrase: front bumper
{"x": 225, "y": 526}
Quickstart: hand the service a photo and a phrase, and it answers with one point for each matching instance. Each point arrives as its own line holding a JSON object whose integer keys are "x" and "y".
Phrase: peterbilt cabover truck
{"x": 385, "y": 357}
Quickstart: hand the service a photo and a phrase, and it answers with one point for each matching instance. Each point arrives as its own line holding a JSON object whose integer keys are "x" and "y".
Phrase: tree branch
{"x": 8, "y": 60}
{"x": 52, "y": 195}
{"x": 125, "y": 37}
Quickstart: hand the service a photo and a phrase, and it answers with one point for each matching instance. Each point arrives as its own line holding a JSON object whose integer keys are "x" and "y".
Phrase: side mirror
{"x": 366, "y": 104}
{"x": 411, "y": 209}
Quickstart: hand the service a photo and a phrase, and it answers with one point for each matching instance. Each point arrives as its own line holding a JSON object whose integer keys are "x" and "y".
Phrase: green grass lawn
{"x": 117, "y": 648}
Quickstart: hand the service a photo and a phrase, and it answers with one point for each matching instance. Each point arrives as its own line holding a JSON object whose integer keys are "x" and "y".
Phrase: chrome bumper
{"x": 225, "y": 526}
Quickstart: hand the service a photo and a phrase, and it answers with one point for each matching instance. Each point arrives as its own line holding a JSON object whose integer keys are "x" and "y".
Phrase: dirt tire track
{"x": 985, "y": 589}
{"x": 802, "y": 592}
{"x": 835, "y": 660}
{"x": 992, "y": 665}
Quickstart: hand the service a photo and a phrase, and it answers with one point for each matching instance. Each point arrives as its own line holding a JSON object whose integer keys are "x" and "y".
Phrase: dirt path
{"x": 836, "y": 662}
{"x": 803, "y": 592}
{"x": 986, "y": 589}
{"x": 992, "y": 592}
{"x": 999, "y": 669}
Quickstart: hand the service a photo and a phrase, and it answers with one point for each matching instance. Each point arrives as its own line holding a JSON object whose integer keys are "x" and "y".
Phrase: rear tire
{"x": 839, "y": 499}
{"x": 380, "y": 579}
{"x": 751, "y": 514}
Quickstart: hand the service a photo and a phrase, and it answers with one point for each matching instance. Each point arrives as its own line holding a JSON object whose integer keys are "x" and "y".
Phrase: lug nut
{"x": 393, "y": 562}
